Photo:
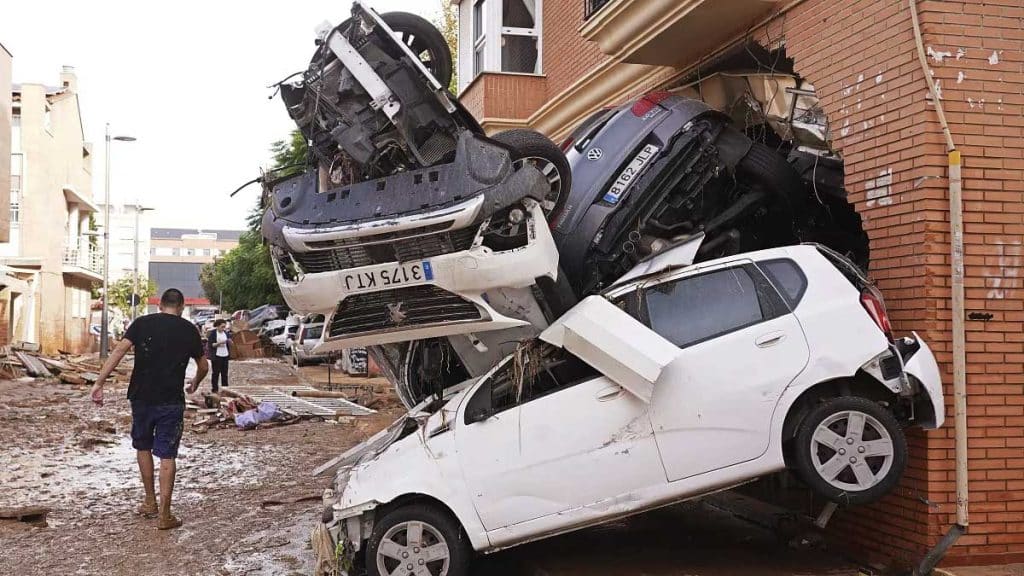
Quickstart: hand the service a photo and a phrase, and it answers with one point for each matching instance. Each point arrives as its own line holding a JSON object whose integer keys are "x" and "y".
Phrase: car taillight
{"x": 644, "y": 105}
{"x": 872, "y": 301}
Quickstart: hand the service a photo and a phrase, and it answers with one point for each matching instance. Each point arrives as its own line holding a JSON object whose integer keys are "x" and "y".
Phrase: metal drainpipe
{"x": 956, "y": 222}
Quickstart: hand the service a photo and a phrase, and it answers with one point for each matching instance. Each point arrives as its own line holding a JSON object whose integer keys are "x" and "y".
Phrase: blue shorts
{"x": 157, "y": 428}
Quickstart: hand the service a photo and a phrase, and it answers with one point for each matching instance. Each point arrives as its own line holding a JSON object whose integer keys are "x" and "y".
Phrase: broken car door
{"x": 740, "y": 347}
{"x": 487, "y": 442}
{"x": 585, "y": 440}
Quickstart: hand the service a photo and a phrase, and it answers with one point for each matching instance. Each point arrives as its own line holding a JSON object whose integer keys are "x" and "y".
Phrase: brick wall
{"x": 861, "y": 57}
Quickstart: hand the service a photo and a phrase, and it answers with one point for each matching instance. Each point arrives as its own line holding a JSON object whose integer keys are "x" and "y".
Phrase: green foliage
{"x": 121, "y": 293}
{"x": 245, "y": 275}
{"x": 289, "y": 154}
{"x": 449, "y": 27}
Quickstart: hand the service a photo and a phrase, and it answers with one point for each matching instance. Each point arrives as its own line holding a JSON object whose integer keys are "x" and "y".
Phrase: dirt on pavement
{"x": 60, "y": 451}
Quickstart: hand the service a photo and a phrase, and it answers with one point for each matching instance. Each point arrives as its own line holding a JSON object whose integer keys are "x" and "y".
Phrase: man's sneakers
{"x": 147, "y": 509}
{"x": 168, "y": 522}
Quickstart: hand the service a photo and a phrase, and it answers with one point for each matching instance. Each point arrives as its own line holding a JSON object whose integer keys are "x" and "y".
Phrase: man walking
{"x": 163, "y": 343}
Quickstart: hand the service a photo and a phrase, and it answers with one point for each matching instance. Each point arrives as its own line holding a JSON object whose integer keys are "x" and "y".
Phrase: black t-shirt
{"x": 163, "y": 345}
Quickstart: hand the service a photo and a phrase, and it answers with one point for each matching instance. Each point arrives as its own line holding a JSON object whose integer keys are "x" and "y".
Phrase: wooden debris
{"x": 33, "y": 367}
{"x": 55, "y": 366}
{"x": 35, "y": 515}
{"x": 279, "y": 500}
{"x": 72, "y": 378}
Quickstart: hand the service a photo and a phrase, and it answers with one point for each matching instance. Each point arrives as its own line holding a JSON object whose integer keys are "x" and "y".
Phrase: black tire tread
{"x": 529, "y": 143}
{"x": 422, "y": 28}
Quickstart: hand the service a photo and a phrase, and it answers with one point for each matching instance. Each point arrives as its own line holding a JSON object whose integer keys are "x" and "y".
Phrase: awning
{"x": 10, "y": 280}
{"x": 72, "y": 196}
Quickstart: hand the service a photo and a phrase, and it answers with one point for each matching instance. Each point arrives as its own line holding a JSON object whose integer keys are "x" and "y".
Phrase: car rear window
{"x": 848, "y": 269}
{"x": 787, "y": 278}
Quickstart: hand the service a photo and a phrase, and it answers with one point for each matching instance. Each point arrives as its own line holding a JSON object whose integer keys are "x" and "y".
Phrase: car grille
{"x": 356, "y": 252}
{"x": 412, "y": 306}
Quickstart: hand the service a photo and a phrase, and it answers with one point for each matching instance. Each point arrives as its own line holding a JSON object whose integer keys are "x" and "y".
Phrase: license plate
{"x": 627, "y": 176}
{"x": 389, "y": 275}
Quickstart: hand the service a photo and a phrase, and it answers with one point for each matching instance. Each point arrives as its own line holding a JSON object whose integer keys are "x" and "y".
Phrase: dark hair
{"x": 172, "y": 298}
{"x": 219, "y": 322}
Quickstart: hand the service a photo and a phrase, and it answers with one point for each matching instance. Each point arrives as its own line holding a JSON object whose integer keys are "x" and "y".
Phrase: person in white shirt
{"x": 220, "y": 351}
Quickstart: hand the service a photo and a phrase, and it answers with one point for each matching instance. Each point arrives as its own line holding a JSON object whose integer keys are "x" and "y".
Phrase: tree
{"x": 449, "y": 27}
{"x": 121, "y": 293}
{"x": 244, "y": 276}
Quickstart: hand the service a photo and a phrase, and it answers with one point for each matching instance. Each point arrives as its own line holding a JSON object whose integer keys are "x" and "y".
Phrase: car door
{"x": 487, "y": 443}
{"x": 740, "y": 345}
{"x": 573, "y": 438}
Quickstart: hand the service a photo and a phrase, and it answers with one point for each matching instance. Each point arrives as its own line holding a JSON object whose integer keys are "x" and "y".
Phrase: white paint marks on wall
{"x": 1006, "y": 275}
{"x": 860, "y": 80}
{"x": 970, "y": 102}
{"x": 994, "y": 58}
{"x": 879, "y": 190}
{"x": 960, "y": 53}
{"x": 879, "y": 78}
{"x": 960, "y": 77}
{"x": 845, "y": 130}
{"x": 937, "y": 55}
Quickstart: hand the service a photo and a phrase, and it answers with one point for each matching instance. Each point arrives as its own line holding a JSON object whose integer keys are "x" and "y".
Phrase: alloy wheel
{"x": 852, "y": 451}
{"x": 413, "y": 548}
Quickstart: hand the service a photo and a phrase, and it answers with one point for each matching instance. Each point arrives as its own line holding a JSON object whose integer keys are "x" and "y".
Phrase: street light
{"x": 104, "y": 318}
{"x": 139, "y": 208}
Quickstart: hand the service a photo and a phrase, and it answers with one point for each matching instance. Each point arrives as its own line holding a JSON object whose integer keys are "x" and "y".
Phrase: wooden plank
{"x": 32, "y": 365}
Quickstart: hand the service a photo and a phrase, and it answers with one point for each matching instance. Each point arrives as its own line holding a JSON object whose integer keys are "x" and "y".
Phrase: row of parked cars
{"x": 657, "y": 309}
{"x": 293, "y": 334}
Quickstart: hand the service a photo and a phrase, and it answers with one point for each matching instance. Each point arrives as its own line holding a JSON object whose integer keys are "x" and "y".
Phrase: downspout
{"x": 956, "y": 223}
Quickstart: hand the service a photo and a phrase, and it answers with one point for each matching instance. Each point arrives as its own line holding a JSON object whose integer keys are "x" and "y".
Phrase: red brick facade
{"x": 860, "y": 55}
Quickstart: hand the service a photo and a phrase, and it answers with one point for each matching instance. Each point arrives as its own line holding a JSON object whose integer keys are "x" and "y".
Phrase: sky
{"x": 188, "y": 79}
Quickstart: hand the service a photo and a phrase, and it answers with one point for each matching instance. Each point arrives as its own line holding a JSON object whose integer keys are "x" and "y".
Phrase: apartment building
{"x": 5, "y": 142}
{"x": 49, "y": 246}
{"x": 177, "y": 255}
{"x": 549, "y": 64}
{"x": 129, "y": 238}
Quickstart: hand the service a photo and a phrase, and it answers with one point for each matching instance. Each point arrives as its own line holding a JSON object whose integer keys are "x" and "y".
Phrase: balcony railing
{"x": 593, "y": 6}
{"x": 87, "y": 258}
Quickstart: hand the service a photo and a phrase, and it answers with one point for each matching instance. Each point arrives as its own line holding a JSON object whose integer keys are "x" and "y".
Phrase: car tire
{"x": 532, "y": 146}
{"x": 423, "y": 37}
{"x": 845, "y": 466}
{"x": 763, "y": 164}
{"x": 437, "y": 527}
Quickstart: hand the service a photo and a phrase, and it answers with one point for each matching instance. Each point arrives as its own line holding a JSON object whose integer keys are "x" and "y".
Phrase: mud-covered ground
{"x": 58, "y": 450}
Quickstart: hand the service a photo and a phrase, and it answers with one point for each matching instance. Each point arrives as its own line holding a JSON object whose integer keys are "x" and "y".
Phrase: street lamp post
{"x": 105, "y": 317}
{"x": 135, "y": 263}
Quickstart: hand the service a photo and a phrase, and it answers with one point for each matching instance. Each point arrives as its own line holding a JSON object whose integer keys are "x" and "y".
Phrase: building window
{"x": 190, "y": 252}
{"x": 175, "y": 251}
{"x": 505, "y": 36}
{"x": 520, "y": 36}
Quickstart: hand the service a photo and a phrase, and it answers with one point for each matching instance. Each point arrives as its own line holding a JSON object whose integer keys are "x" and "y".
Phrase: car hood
{"x": 411, "y": 421}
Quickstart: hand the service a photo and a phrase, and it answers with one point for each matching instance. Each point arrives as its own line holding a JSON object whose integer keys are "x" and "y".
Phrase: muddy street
{"x": 60, "y": 452}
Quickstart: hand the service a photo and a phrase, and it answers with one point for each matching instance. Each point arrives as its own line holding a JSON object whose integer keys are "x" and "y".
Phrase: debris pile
{"x": 25, "y": 359}
{"x": 248, "y": 344}
{"x": 250, "y": 407}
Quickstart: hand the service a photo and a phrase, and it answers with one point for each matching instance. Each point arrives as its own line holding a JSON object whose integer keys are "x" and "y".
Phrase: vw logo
{"x": 594, "y": 154}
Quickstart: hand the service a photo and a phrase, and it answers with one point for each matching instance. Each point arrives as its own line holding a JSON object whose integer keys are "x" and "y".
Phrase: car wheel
{"x": 417, "y": 539}
{"x": 535, "y": 148}
{"x": 850, "y": 450}
{"x": 425, "y": 41}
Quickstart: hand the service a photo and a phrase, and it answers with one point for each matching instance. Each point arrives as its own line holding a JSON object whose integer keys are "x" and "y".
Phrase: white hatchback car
{"x": 675, "y": 383}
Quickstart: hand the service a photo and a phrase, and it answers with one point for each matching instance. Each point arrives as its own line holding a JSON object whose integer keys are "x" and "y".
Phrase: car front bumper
{"x": 922, "y": 366}
{"x": 461, "y": 278}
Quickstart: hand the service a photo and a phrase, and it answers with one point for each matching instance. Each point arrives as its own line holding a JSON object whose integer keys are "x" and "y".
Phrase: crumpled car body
{"x": 664, "y": 168}
{"x": 414, "y": 224}
{"x": 629, "y": 413}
